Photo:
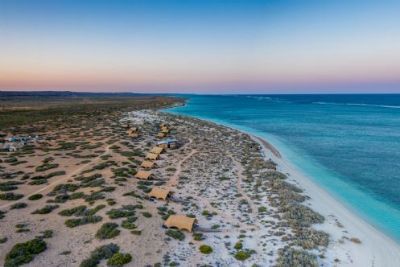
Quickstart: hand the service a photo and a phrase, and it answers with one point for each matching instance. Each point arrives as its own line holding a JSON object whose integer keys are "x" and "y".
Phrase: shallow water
{"x": 348, "y": 144}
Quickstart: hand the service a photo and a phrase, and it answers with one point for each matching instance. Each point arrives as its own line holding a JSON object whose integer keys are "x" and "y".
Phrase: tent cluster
{"x": 181, "y": 222}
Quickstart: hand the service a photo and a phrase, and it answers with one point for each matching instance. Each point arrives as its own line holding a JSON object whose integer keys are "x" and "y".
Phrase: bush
{"x": 293, "y": 257}
{"x": 119, "y": 259}
{"x": 100, "y": 253}
{"x": 23, "y": 253}
{"x": 176, "y": 234}
{"x": 46, "y": 209}
{"x": 46, "y": 234}
{"x": 10, "y": 196}
{"x": 136, "y": 232}
{"x": 198, "y": 236}
{"x": 81, "y": 221}
{"x": 146, "y": 214}
{"x": 7, "y": 187}
{"x": 205, "y": 249}
{"x": 129, "y": 223}
{"x": 242, "y": 255}
{"x": 19, "y": 205}
{"x": 3, "y": 240}
{"x": 73, "y": 211}
{"x": 35, "y": 197}
{"x": 56, "y": 173}
{"x": 108, "y": 230}
{"x": 238, "y": 245}
{"x": 46, "y": 166}
{"x": 262, "y": 209}
{"x": 120, "y": 213}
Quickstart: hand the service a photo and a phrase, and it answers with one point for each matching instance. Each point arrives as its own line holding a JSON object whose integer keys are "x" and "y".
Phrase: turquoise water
{"x": 348, "y": 144}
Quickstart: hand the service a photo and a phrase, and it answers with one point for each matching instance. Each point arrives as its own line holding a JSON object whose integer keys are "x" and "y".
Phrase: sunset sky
{"x": 271, "y": 46}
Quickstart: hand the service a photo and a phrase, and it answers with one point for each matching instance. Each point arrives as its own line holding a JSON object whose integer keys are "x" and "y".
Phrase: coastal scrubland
{"x": 72, "y": 199}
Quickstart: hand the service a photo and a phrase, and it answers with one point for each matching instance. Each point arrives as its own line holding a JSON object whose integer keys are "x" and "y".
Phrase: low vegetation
{"x": 23, "y": 253}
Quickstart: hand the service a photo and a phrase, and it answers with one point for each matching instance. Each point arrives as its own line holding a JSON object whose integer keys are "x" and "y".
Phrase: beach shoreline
{"x": 377, "y": 248}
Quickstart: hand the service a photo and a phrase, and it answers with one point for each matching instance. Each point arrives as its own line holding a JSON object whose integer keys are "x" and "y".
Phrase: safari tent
{"x": 147, "y": 164}
{"x": 156, "y": 150}
{"x": 143, "y": 175}
{"x": 152, "y": 156}
{"x": 160, "y": 193}
{"x": 181, "y": 222}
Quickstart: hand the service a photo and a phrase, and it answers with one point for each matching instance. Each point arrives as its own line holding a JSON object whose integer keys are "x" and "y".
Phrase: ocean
{"x": 347, "y": 144}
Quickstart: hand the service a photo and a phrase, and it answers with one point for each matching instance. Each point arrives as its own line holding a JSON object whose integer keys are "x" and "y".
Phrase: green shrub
{"x": 108, "y": 230}
{"x": 94, "y": 196}
{"x": 38, "y": 182}
{"x": 23, "y": 253}
{"x": 10, "y": 196}
{"x": 35, "y": 197}
{"x": 100, "y": 253}
{"x": 262, "y": 209}
{"x": 136, "y": 232}
{"x": 46, "y": 209}
{"x": 3, "y": 240}
{"x": 63, "y": 188}
{"x": 7, "y": 187}
{"x": 129, "y": 223}
{"x": 238, "y": 245}
{"x": 81, "y": 221}
{"x": 2, "y": 214}
{"x": 119, "y": 259}
{"x": 242, "y": 255}
{"x": 46, "y": 234}
{"x": 146, "y": 214}
{"x": 73, "y": 211}
{"x": 294, "y": 257}
{"x": 19, "y": 205}
{"x": 176, "y": 234}
{"x": 46, "y": 166}
{"x": 198, "y": 236}
{"x": 205, "y": 249}
{"x": 125, "y": 211}
{"x": 56, "y": 173}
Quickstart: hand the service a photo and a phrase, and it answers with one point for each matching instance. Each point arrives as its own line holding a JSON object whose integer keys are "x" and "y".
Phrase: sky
{"x": 207, "y": 46}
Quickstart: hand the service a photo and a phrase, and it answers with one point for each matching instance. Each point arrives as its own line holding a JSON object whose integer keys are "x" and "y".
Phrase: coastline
{"x": 376, "y": 248}
{"x": 343, "y": 225}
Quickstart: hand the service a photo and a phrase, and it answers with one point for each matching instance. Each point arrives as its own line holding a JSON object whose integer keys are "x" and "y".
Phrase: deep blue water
{"x": 348, "y": 144}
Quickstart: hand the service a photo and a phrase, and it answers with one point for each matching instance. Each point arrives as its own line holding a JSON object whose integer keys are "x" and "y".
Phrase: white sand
{"x": 376, "y": 249}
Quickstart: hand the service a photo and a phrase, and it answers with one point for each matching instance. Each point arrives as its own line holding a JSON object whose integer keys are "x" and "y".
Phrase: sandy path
{"x": 239, "y": 172}
{"x": 62, "y": 179}
{"x": 173, "y": 181}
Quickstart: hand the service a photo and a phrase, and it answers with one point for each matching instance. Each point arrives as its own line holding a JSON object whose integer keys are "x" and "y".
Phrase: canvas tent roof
{"x": 181, "y": 222}
{"x": 159, "y": 193}
{"x": 147, "y": 164}
{"x": 156, "y": 150}
{"x": 144, "y": 175}
{"x": 152, "y": 156}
